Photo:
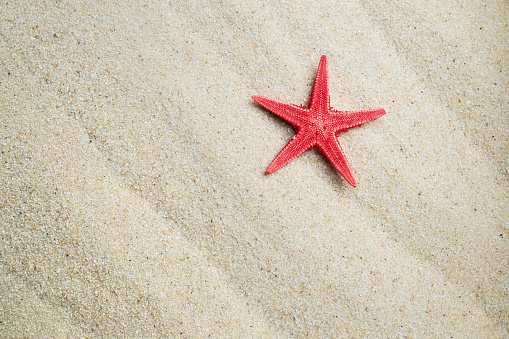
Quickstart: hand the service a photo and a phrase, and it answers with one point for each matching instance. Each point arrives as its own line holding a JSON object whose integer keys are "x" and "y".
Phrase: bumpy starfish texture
{"x": 318, "y": 125}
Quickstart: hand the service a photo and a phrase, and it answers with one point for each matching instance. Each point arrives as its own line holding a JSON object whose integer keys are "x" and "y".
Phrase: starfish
{"x": 318, "y": 125}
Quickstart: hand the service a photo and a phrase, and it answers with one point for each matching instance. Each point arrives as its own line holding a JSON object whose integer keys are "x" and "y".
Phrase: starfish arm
{"x": 320, "y": 101}
{"x": 302, "y": 141}
{"x": 295, "y": 115}
{"x": 330, "y": 147}
{"x": 339, "y": 121}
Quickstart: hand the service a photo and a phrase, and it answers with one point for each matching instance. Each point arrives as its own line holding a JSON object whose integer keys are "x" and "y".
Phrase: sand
{"x": 134, "y": 200}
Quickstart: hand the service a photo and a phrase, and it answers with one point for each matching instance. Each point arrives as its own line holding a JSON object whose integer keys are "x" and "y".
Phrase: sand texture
{"x": 133, "y": 196}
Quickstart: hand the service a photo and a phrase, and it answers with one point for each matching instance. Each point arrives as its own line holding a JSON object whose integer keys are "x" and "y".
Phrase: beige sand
{"x": 134, "y": 202}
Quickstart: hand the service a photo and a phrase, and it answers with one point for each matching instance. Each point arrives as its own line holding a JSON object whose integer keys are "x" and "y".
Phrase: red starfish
{"x": 318, "y": 125}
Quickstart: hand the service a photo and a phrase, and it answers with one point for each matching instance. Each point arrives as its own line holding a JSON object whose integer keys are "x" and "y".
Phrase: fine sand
{"x": 133, "y": 196}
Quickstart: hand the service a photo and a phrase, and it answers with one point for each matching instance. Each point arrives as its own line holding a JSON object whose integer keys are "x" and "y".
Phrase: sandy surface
{"x": 133, "y": 199}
